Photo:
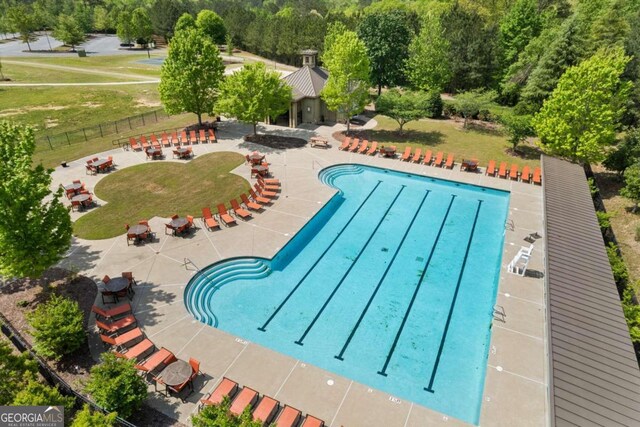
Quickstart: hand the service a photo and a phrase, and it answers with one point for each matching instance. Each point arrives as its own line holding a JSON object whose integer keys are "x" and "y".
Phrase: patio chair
{"x": 192, "y": 137}
{"x": 246, "y": 398}
{"x": 104, "y": 293}
{"x": 449, "y": 163}
{"x": 183, "y": 138}
{"x": 242, "y": 213}
{"x": 428, "y": 156}
{"x": 226, "y": 388}
{"x": 129, "y": 275}
{"x": 133, "y": 143}
{"x": 354, "y": 145}
{"x": 537, "y": 178}
{"x": 224, "y": 215}
{"x": 363, "y": 147}
{"x": 525, "y": 176}
{"x": 268, "y": 187}
{"x": 144, "y": 142}
{"x": 417, "y": 155}
{"x": 124, "y": 340}
{"x": 491, "y": 168}
{"x": 90, "y": 169}
{"x": 138, "y": 351}
{"x": 254, "y": 206}
{"x": 502, "y": 172}
{"x": 438, "y": 160}
{"x": 112, "y": 313}
{"x": 266, "y": 409}
{"x": 174, "y": 139}
{"x": 165, "y": 140}
{"x": 289, "y": 417}
{"x": 258, "y": 198}
{"x": 212, "y": 136}
{"x": 311, "y": 421}
{"x": 513, "y": 172}
{"x": 264, "y": 192}
{"x": 190, "y": 223}
{"x": 271, "y": 181}
{"x": 158, "y": 359}
{"x": 75, "y": 205}
{"x": 169, "y": 227}
{"x": 373, "y": 149}
{"x": 202, "y": 137}
{"x": 132, "y": 238}
{"x": 117, "y": 326}
{"x": 207, "y": 218}
{"x": 154, "y": 141}
{"x": 345, "y": 144}
{"x": 406, "y": 155}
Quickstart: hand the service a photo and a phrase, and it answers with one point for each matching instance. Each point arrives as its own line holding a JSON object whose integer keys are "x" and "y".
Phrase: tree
{"x": 34, "y": 234}
{"x": 191, "y": 74}
{"x": 141, "y": 26}
{"x": 58, "y": 327}
{"x": 428, "y": 63}
{"x": 184, "y": 22}
{"x": 386, "y": 36}
{"x": 212, "y": 25}
{"x": 15, "y": 370}
{"x": 253, "y": 94}
{"x": 517, "y": 127}
{"x": 580, "y": 117}
{"x": 611, "y": 27}
{"x": 347, "y": 89}
{"x": 631, "y": 189}
{"x": 228, "y": 40}
{"x": 518, "y": 27}
{"x": 116, "y": 386}
{"x": 22, "y": 20}
{"x": 472, "y": 102}
{"x": 627, "y": 153}
{"x": 219, "y": 415}
{"x": 68, "y": 31}
{"x": 101, "y": 19}
{"x": 403, "y": 107}
{"x": 164, "y": 14}
{"x": 37, "y": 394}
{"x": 88, "y": 418}
{"x": 124, "y": 29}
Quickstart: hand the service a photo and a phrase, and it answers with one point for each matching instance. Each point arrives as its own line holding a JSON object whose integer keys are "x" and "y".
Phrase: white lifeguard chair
{"x": 519, "y": 263}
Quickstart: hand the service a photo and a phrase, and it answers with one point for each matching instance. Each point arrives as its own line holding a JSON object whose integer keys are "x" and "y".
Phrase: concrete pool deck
{"x": 516, "y": 384}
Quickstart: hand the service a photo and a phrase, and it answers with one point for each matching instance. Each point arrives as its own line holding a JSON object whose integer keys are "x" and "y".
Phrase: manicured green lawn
{"x": 19, "y": 73}
{"x": 161, "y": 189}
{"x": 448, "y": 137}
{"x": 127, "y": 64}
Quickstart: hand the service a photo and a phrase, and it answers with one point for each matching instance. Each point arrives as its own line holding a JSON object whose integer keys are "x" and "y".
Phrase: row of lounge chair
{"x": 265, "y": 190}
{"x": 355, "y": 146}
{"x": 175, "y": 139}
{"x": 514, "y": 174}
{"x": 265, "y": 410}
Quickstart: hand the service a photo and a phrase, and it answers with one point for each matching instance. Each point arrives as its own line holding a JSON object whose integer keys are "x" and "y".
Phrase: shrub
{"x": 593, "y": 187}
{"x": 620, "y": 273}
{"x": 15, "y": 371}
{"x": 632, "y": 314}
{"x": 38, "y": 394}
{"x": 115, "y": 385}
{"x": 449, "y": 109}
{"x": 87, "y": 418}
{"x": 57, "y": 327}
{"x": 604, "y": 219}
{"x": 219, "y": 415}
{"x": 434, "y": 105}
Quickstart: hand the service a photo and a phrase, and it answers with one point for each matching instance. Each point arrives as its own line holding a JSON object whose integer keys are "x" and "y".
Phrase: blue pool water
{"x": 391, "y": 284}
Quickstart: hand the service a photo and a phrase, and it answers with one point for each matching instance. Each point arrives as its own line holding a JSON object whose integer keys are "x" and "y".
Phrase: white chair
{"x": 525, "y": 250}
{"x": 518, "y": 265}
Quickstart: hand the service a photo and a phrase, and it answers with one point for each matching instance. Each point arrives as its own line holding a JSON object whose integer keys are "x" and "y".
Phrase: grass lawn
{"x": 449, "y": 137}
{"x": 127, "y": 64}
{"x": 27, "y": 74}
{"x": 161, "y": 189}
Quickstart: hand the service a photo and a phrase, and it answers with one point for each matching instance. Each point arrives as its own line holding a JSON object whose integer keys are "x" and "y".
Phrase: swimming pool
{"x": 392, "y": 284}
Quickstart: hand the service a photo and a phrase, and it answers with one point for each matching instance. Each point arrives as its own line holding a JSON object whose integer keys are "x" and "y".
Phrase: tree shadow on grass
{"x": 483, "y": 129}
{"x": 409, "y": 136}
{"x": 526, "y": 152}
{"x": 609, "y": 184}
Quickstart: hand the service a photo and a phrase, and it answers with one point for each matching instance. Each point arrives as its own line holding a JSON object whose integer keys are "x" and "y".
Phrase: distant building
{"x": 306, "y": 84}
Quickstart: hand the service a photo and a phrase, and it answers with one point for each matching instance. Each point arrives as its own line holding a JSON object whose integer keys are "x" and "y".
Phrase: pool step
{"x": 329, "y": 175}
{"x": 203, "y": 286}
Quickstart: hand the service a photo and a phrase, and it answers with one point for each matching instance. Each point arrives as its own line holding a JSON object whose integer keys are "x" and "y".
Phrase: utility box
{"x": 82, "y": 53}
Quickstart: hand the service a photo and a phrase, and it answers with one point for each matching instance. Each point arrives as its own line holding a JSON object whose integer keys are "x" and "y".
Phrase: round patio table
{"x": 178, "y": 222}
{"x": 388, "y": 151}
{"x": 74, "y": 186}
{"x": 117, "y": 284}
{"x": 138, "y": 229}
{"x": 256, "y": 157}
{"x": 153, "y": 152}
{"x": 176, "y": 373}
{"x": 81, "y": 198}
{"x": 261, "y": 169}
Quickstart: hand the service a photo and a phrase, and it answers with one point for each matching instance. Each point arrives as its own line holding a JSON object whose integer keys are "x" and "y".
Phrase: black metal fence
{"x": 48, "y": 374}
{"x": 78, "y": 136}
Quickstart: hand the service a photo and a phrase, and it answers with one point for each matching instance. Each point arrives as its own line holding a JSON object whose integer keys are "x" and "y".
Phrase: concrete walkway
{"x": 516, "y": 379}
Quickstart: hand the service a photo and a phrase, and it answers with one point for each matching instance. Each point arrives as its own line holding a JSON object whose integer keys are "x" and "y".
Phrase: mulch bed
{"x": 20, "y": 296}
{"x": 276, "y": 141}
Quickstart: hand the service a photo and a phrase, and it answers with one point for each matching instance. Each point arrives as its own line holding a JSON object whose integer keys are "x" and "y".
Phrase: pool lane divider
{"x": 344, "y": 276}
{"x": 383, "y": 371}
{"x": 340, "y": 356}
{"x": 263, "y": 328}
{"x": 429, "y": 388}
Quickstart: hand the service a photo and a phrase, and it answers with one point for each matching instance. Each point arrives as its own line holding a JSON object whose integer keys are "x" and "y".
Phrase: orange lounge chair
{"x": 144, "y": 142}
{"x": 417, "y": 155}
{"x": 271, "y": 181}
{"x": 266, "y": 410}
{"x": 363, "y": 147}
{"x": 116, "y": 326}
{"x": 202, "y": 136}
{"x": 155, "y": 142}
{"x": 491, "y": 168}
{"x": 513, "y": 173}
{"x": 354, "y": 145}
{"x": 345, "y": 144}
{"x": 289, "y": 417}
{"x": 438, "y": 161}
{"x": 224, "y": 389}
{"x": 134, "y": 144}
{"x": 247, "y": 397}
{"x": 254, "y": 206}
{"x": 183, "y": 138}
{"x": 165, "y": 140}
{"x": 157, "y": 359}
{"x": 121, "y": 341}
{"x": 174, "y": 139}
{"x": 137, "y": 351}
{"x": 224, "y": 215}
{"x": 259, "y": 199}
{"x": 373, "y": 149}
{"x": 261, "y": 191}
{"x": 112, "y": 313}
{"x": 268, "y": 187}
{"x": 449, "y": 163}
{"x": 406, "y": 155}
{"x": 525, "y": 176}
{"x": 212, "y": 136}
{"x": 209, "y": 222}
{"x": 428, "y": 156}
{"x": 502, "y": 173}
{"x": 242, "y": 213}
{"x": 537, "y": 177}
{"x": 192, "y": 137}
{"x": 310, "y": 421}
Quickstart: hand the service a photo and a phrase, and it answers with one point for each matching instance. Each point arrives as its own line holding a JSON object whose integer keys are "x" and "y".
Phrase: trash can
{"x": 82, "y": 53}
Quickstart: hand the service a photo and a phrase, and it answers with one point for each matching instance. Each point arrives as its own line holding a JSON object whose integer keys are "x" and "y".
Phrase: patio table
{"x": 82, "y": 198}
{"x": 154, "y": 152}
{"x": 262, "y": 170}
{"x": 389, "y": 151}
{"x": 75, "y": 186}
{"x": 319, "y": 141}
{"x": 117, "y": 284}
{"x": 176, "y": 373}
{"x": 181, "y": 151}
{"x": 100, "y": 164}
{"x": 138, "y": 230}
{"x": 178, "y": 222}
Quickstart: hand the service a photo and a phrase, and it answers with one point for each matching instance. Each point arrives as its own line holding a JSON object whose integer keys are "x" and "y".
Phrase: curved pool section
{"x": 392, "y": 284}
